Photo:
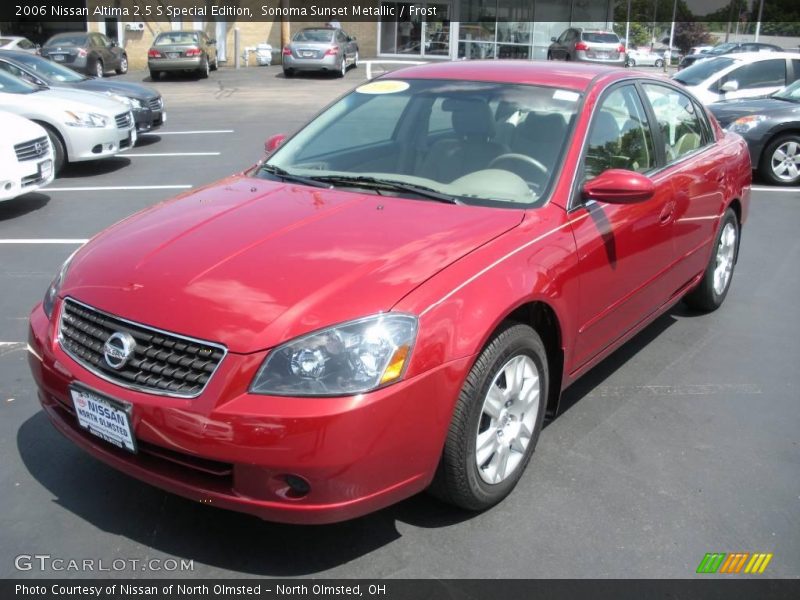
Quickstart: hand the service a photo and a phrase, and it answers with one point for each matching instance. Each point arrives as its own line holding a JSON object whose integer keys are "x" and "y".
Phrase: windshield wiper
{"x": 286, "y": 176}
{"x": 390, "y": 185}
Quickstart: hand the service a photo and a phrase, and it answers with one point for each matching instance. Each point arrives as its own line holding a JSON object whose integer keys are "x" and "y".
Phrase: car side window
{"x": 681, "y": 127}
{"x": 795, "y": 70}
{"x": 765, "y": 73}
{"x": 620, "y": 136}
{"x": 25, "y": 44}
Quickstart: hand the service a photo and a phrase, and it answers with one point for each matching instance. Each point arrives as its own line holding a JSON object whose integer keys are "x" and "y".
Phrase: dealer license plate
{"x": 601, "y": 54}
{"x": 308, "y": 54}
{"x": 106, "y": 418}
{"x": 57, "y": 57}
{"x": 45, "y": 169}
{"x": 173, "y": 54}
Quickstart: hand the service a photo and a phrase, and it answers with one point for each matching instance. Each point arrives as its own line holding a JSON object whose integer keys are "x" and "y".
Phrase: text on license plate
{"x": 308, "y": 54}
{"x": 103, "y": 417}
{"x": 173, "y": 54}
{"x": 58, "y": 57}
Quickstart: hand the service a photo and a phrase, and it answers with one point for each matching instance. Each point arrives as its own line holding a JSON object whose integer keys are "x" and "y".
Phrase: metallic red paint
{"x": 251, "y": 263}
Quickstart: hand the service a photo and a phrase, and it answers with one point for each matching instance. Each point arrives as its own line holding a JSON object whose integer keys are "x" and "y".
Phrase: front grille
{"x": 162, "y": 362}
{"x": 33, "y": 149}
{"x": 124, "y": 120}
{"x": 155, "y": 103}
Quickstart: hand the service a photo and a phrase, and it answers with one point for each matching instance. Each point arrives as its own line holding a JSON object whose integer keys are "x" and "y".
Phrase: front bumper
{"x": 147, "y": 119}
{"x": 27, "y": 176}
{"x": 232, "y": 449}
{"x": 90, "y": 143}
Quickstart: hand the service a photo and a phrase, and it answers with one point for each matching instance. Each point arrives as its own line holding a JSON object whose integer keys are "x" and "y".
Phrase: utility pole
{"x": 758, "y": 22}
{"x": 628, "y": 27}
{"x": 671, "y": 35}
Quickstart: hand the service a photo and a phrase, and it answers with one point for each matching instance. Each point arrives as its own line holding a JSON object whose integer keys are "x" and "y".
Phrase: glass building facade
{"x": 485, "y": 28}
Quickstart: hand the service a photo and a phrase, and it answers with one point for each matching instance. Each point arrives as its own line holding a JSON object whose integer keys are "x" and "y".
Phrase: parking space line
{"x": 187, "y": 132}
{"x": 45, "y": 241}
{"x": 174, "y": 154}
{"x": 116, "y": 187}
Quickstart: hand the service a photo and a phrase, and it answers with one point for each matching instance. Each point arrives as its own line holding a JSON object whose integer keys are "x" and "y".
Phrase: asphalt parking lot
{"x": 683, "y": 442}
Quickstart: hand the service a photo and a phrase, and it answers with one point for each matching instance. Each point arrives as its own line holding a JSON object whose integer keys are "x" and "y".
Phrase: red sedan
{"x": 393, "y": 299}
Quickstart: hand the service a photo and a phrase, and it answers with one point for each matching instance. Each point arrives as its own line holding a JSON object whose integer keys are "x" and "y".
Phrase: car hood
{"x": 57, "y": 100}
{"x": 122, "y": 88}
{"x": 252, "y": 263}
{"x": 728, "y": 111}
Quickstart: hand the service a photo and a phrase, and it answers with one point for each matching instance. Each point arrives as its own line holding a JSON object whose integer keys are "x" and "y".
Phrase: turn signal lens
{"x": 395, "y": 368}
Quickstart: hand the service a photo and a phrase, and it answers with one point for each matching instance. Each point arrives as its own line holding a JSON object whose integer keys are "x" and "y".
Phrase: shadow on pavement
{"x": 94, "y": 167}
{"x": 22, "y": 205}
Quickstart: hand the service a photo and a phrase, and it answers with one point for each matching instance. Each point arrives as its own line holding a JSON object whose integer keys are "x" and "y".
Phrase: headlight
{"x": 745, "y": 124}
{"x": 55, "y": 287}
{"x": 350, "y": 358}
{"x": 85, "y": 119}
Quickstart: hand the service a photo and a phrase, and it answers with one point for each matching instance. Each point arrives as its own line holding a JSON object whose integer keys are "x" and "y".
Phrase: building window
{"x": 417, "y": 35}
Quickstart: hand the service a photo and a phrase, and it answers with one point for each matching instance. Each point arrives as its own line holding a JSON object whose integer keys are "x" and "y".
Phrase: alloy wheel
{"x": 98, "y": 68}
{"x": 726, "y": 253}
{"x": 785, "y": 161}
{"x": 508, "y": 419}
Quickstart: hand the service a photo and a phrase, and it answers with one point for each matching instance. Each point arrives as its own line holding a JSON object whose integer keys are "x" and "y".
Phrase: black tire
{"x": 768, "y": 157}
{"x": 458, "y": 480}
{"x": 288, "y": 73}
{"x": 155, "y": 75}
{"x": 705, "y": 297}
{"x": 214, "y": 65}
{"x": 123, "y": 65}
{"x": 342, "y": 68}
{"x": 355, "y": 60}
{"x": 630, "y": 63}
{"x": 659, "y": 63}
{"x": 205, "y": 69}
{"x": 99, "y": 70}
{"x": 59, "y": 149}
{"x": 549, "y": 56}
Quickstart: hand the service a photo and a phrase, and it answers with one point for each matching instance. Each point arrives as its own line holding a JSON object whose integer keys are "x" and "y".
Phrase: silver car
{"x": 81, "y": 125}
{"x": 182, "y": 51}
{"x": 320, "y": 49}
{"x": 587, "y": 45}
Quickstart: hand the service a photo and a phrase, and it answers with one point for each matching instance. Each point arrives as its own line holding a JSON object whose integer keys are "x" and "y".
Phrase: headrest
{"x": 471, "y": 117}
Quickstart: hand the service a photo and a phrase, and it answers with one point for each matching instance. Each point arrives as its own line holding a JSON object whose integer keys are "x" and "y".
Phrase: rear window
{"x": 702, "y": 70}
{"x": 4, "y": 41}
{"x": 67, "y": 40}
{"x": 176, "y": 37}
{"x": 594, "y": 37}
{"x": 314, "y": 35}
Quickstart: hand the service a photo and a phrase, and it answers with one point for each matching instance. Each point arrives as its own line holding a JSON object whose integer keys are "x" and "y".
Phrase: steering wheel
{"x": 530, "y": 169}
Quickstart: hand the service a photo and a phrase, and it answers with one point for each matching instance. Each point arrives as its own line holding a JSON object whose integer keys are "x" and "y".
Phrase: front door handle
{"x": 667, "y": 212}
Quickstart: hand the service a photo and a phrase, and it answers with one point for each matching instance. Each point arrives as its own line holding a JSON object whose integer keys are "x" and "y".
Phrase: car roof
{"x": 756, "y": 56}
{"x": 574, "y": 76}
{"x": 70, "y": 34}
{"x": 12, "y": 54}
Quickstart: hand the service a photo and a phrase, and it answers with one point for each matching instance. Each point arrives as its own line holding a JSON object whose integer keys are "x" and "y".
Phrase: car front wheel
{"x": 496, "y": 421}
{"x": 205, "y": 69}
{"x": 781, "y": 161}
{"x": 710, "y": 293}
{"x": 659, "y": 63}
{"x": 98, "y": 68}
{"x": 123, "y": 65}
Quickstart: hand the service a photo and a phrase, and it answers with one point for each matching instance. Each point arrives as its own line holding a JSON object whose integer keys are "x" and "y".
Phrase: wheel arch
{"x": 57, "y": 131}
{"x": 783, "y": 129}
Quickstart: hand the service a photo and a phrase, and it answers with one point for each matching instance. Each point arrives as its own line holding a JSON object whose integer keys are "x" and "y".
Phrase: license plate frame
{"x": 45, "y": 169}
{"x": 173, "y": 54}
{"x": 58, "y": 57}
{"x": 100, "y": 415}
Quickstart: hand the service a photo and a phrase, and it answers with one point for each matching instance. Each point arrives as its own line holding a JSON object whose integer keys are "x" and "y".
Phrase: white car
{"x": 742, "y": 75}
{"x": 15, "y": 42}
{"x": 26, "y": 158}
{"x": 81, "y": 125}
{"x": 645, "y": 58}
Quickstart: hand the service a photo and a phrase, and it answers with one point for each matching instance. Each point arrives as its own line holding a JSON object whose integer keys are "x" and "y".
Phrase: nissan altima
{"x": 395, "y": 296}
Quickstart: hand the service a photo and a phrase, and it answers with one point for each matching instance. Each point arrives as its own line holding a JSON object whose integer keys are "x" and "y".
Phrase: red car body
{"x": 251, "y": 263}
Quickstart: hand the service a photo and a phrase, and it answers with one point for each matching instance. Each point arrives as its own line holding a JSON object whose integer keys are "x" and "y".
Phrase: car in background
{"x": 588, "y": 45}
{"x": 187, "y": 51}
{"x": 13, "y": 42}
{"x": 146, "y": 103}
{"x": 80, "y": 125}
{"x": 746, "y": 75}
{"x": 771, "y": 128}
{"x": 395, "y": 297}
{"x": 26, "y": 158}
{"x": 90, "y": 53}
{"x": 699, "y": 49}
{"x": 644, "y": 58}
{"x": 727, "y": 48}
{"x": 320, "y": 49}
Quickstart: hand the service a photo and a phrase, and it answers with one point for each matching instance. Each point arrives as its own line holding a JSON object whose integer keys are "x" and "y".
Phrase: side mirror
{"x": 619, "y": 186}
{"x": 729, "y": 86}
{"x": 274, "y": 142}
{"x": 552, "y": 39}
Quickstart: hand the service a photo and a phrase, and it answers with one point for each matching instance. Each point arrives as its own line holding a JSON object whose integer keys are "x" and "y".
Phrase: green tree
{"x": 691, "y": 33}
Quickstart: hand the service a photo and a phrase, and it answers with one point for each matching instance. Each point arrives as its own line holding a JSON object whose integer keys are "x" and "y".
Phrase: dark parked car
{"x": 320, "y": 49}
{"x": 588, "y": 46}
{"x": 146, "y": 103}
{"x": 771, "y": 127}
{"x": 728, "y": 48}
{"x": 90, "y": 53}
{"x": 182, "y": 51}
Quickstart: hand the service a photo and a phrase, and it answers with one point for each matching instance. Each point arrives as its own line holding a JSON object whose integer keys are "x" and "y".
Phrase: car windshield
{"x": 599, "y": 38}
{"x": 14, "y": 85}
{"x": 466, "y": 142}
{"x": 67, "y": 40}
{"x": 702, "y": 70}
{"x": 790, "y": 92}
{"x": 176, "y": 37}
{"x": 49, "y": 70}
{"x": 723, "y": 49}
{"x": 314, "y": 35}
